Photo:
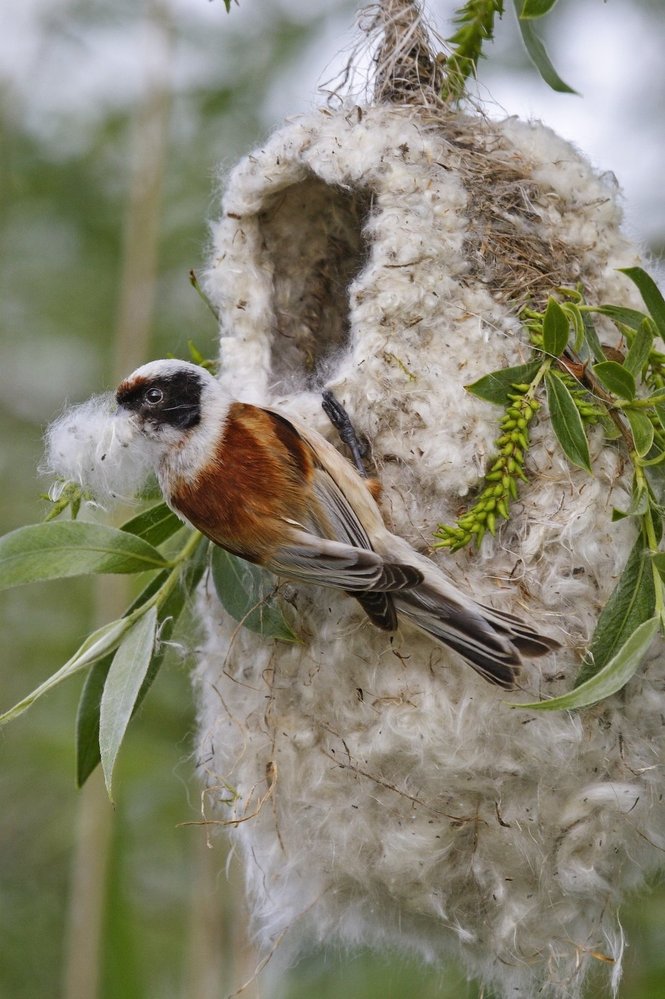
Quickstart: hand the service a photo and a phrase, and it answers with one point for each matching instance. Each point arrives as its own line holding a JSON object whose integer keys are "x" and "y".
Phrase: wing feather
{"x": 341, "y": 517}
{"x": 331, "y": 547}
{"x": 333, "y": 563}
{"x": 380, "y": 609}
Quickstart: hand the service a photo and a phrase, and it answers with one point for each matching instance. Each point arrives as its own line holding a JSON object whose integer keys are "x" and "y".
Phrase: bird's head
{"x": 171, "y": 403}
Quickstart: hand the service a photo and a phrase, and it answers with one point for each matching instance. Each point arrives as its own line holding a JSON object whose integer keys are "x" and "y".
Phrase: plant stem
{"x": 652, "y": 400}
{"x": 590, "y": 382}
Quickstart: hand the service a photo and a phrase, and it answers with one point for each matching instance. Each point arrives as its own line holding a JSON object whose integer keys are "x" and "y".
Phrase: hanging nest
{"x": 377, "y": 792}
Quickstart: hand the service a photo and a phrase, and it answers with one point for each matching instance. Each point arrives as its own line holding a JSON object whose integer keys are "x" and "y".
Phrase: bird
{"x": 267, "y": 488}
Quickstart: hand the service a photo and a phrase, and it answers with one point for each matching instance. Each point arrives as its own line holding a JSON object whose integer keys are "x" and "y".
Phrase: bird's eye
{"x": 154, "y": 396}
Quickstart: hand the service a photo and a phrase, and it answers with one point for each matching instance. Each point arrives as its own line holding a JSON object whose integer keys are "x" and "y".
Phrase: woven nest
{"x": 504, "y": 242}
{"x": 383, "y": 794}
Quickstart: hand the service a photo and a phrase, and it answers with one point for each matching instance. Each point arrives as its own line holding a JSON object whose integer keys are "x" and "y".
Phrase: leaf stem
{"x": 590, "y": 381}
{"x": 540, "y": 374}
{"x": 159, "y": 598}
{"x": 652, "y": 400}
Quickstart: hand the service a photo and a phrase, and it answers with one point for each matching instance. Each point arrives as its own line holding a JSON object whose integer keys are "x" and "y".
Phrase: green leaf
{"x": 651, "y": 295}
{"x": 591, "y": 337}
{"x": 556, "y": 329}
{"x": 638, "y": 355}
{"x": 577, "y": 319}
{"x": 128, "y": 669}
{"x": 616, "y": 379}
{"x": 660, "y": 413}
{"x": 498, "y": 385}
{"x": 631, "y": 603}
{"x": 59, "y": 549}
{"x": 659, "y": 561}
{"x": 87, "y": 720}
{"x": 567, "y": 422}
{"x": 247, "y": 592}
{"x": 536, "y": 8}
{"x": 98, "y": 644}
{"x": 655, "y": 476}
{"x": 538, "y": 55}
{"x": 608, "y": 680}
{"x": 610, "y": 430}
{"x": 642, "y": 430}
{"x": 105, "y": 639}
{"x": 621, "y": 315}
{"x": 154, "y": 525}
{"x": 172, "y": 609}
{"x": 639, "y": 503}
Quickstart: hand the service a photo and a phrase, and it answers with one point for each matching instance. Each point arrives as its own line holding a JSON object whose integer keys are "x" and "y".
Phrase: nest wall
{"x": 384, "y": 795}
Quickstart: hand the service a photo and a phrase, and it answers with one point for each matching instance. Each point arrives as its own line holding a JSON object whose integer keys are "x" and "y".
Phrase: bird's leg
{"x": 341, "y": 421}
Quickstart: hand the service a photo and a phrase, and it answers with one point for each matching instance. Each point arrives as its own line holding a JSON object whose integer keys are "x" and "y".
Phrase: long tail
{"x": 491, "y": 641}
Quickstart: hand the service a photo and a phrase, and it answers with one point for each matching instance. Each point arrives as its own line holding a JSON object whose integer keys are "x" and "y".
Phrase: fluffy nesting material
{"x": 399, "y": 801}
{"x": 91, "y": 445}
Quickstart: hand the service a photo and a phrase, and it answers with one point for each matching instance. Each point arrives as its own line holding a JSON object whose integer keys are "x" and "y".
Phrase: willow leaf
{"x": 567, "y": 422}
{"x": 638, "y": 506}
{"x": 538, "y": 54}
{"x": 170, "y": 611}
{"x": 87, "y": 719}
{"x": 631, "y": 603}
{"x": 621, "y": 315}
{"x": 498, "y": 385}
{"x": 154, "y": 525}
{"x": 556, "y": 329}
{"x": 123, "y": 682}
{"x": 247, "y": 592}
{"x": 536, "y": 8}
{"x": 642, "y": 430}
{"x": 608, "y": 680}
{"x": 655, "y": 476}
{"x": 98, "y": 644}
{"x": 59, "y": 549}
{"x": 591, "y": 337}
{"x": 616, "y": 378}
{"x": 651, "y": 295}
{"x": 638, "y": 355}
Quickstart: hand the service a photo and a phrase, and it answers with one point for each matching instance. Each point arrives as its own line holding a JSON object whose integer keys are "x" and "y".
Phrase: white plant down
{"x": 90, "y": 445}
{"x": 390, "y": 798}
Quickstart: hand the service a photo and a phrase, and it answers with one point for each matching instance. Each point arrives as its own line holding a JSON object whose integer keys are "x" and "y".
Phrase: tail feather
{"x": 520, "y": 634}
{"x": 379, "y": 607}
{"x": 489, "y": 640}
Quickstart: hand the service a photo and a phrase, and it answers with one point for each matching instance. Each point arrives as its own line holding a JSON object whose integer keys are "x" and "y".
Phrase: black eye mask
{"x": 179, "y": 407}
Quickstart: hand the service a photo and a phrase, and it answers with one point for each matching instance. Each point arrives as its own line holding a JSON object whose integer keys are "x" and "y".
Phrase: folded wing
{"x": 332, "y": 548}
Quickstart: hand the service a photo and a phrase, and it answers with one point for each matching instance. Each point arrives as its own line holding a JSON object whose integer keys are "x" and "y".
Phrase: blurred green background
{"x": 115, "y": 119}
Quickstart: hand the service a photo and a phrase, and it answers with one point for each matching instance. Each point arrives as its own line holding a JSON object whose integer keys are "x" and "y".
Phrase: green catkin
{"x": 500, "y": 486}
{"x": 493, "y": 501}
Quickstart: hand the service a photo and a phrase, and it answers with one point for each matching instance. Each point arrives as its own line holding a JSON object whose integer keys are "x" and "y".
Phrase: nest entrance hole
{"x": 313, "y": 237}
